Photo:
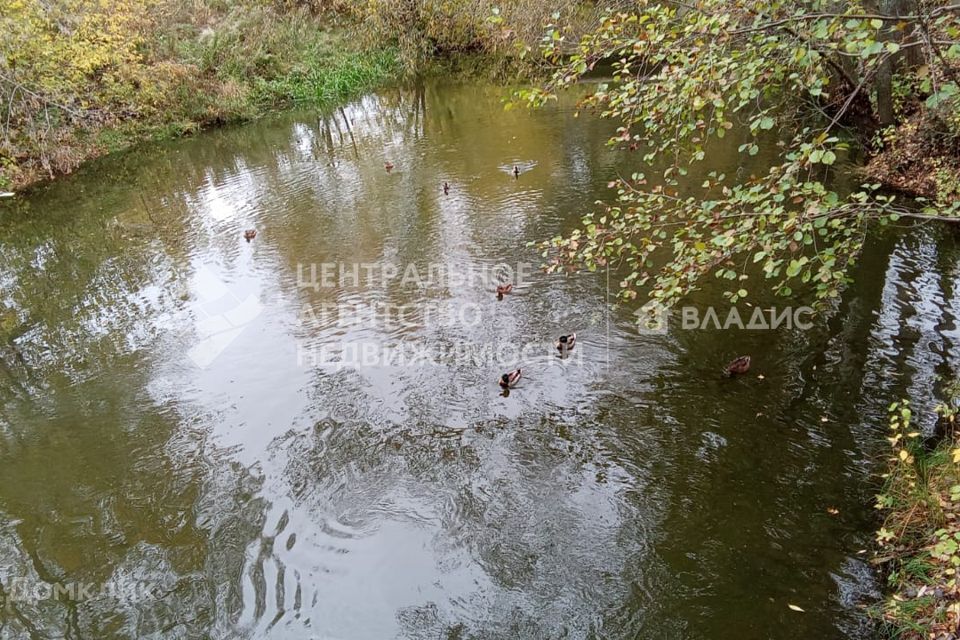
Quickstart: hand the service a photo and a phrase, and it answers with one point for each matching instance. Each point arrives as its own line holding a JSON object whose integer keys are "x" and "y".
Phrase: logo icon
{"x": 223, "y": 317}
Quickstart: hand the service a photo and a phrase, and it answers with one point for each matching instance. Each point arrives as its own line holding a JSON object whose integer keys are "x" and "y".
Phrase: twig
{"x": 847, "y": 16}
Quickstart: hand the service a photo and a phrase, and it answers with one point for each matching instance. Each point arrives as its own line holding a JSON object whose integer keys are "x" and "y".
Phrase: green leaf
{"x": 945, "y": 93}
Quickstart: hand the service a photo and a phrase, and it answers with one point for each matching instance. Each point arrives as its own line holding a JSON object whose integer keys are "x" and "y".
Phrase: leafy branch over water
{"x": 805, "y": 79}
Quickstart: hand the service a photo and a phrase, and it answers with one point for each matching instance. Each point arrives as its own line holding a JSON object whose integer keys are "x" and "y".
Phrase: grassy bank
{"x": 919, "y": 541}
{"x": 88, "y": 77}
{"x": 80, "y": 78}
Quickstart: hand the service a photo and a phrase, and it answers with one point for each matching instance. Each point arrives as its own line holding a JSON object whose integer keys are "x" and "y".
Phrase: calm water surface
{"x": 179, "y": 430}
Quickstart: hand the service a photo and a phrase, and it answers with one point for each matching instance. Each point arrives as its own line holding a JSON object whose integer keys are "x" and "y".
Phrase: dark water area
{"x": 186, "y": 431}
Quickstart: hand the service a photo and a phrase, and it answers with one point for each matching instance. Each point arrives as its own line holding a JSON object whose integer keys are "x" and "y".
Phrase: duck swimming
{"x": 388, "y": 166}
{"x": 503, "y": 289}
{"x": 446, "y": 189}
{"x": 566, "y": 343}
{"x": 510, "y": 380}
{"x": 516, "y": 172}
{"x": 737, "y": 367}
{"x": 249, "y": 234}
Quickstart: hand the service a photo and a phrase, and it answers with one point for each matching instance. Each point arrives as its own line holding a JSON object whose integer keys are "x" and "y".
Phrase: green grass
{"x": 321, "y": 75}
{"x": 323, "y": 79}
{"x": 331, "y": 79}
{"x": 209, "y": 63}
{"x": 919, "y": 543}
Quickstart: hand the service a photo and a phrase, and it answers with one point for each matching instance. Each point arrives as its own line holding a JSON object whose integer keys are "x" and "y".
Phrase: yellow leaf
{"x": 794, "y": 607}
{"x": 903, "y": 454}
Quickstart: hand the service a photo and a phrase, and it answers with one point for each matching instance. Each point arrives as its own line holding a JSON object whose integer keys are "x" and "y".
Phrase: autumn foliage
{"x": 812, "y": 81}
{"x": 83, "y": 77}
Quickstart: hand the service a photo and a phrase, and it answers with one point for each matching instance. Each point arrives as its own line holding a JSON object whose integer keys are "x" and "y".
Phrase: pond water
{"x": 195, "y": 444}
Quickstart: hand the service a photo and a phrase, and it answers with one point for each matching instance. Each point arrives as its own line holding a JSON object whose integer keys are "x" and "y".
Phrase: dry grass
{"x": 188, "y": 64}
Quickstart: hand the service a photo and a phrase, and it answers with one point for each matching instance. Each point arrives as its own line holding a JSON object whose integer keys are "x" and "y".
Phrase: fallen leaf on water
{"x": 794, "y": 607}
{"x": 833, "y": 511}
{"x": 823, "y": 419}
{"x": 759, "y": 376}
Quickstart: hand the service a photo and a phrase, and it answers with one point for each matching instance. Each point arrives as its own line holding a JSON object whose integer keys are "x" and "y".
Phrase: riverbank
{"x": 920, "y": 157}
{"x": 100, "y": 78}
{"x": 919, "y": 542}
{"x": 84, "y": 78}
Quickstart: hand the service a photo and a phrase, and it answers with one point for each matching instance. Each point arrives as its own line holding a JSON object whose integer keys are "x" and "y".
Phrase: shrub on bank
{"x": 919, "y": 541}
{"x": 79, "y": 78}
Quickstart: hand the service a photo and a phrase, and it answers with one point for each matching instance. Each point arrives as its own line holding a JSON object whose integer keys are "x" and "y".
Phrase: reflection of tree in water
{"x": 549, "y": 513}
{"x": 633, "y": 511}
{"x": 818, "y": 414}
{"x": 73, "y": 287}
{"x": 103, "y": 487}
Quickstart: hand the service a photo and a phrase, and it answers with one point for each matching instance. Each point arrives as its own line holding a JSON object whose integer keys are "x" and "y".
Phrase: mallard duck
{"x": 516, "y": 171}
{"x": 503, "y": 289}
{"x": 510, "y": 380}
{"x": 388, "y": 166}
{"x": 738, "y": 366}
{"x": 566, "y": 343}
{"x": 446, "y": 189}
{"x": 249, "y": 234}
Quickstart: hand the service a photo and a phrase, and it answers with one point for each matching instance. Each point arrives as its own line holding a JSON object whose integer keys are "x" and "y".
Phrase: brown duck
{"x": 739, "y": 366}
{"x": 503, "y": 289}
{"x": 566, "y": 343}
{"x": 510, "y": 380}
{"x": 249, "y": 234}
